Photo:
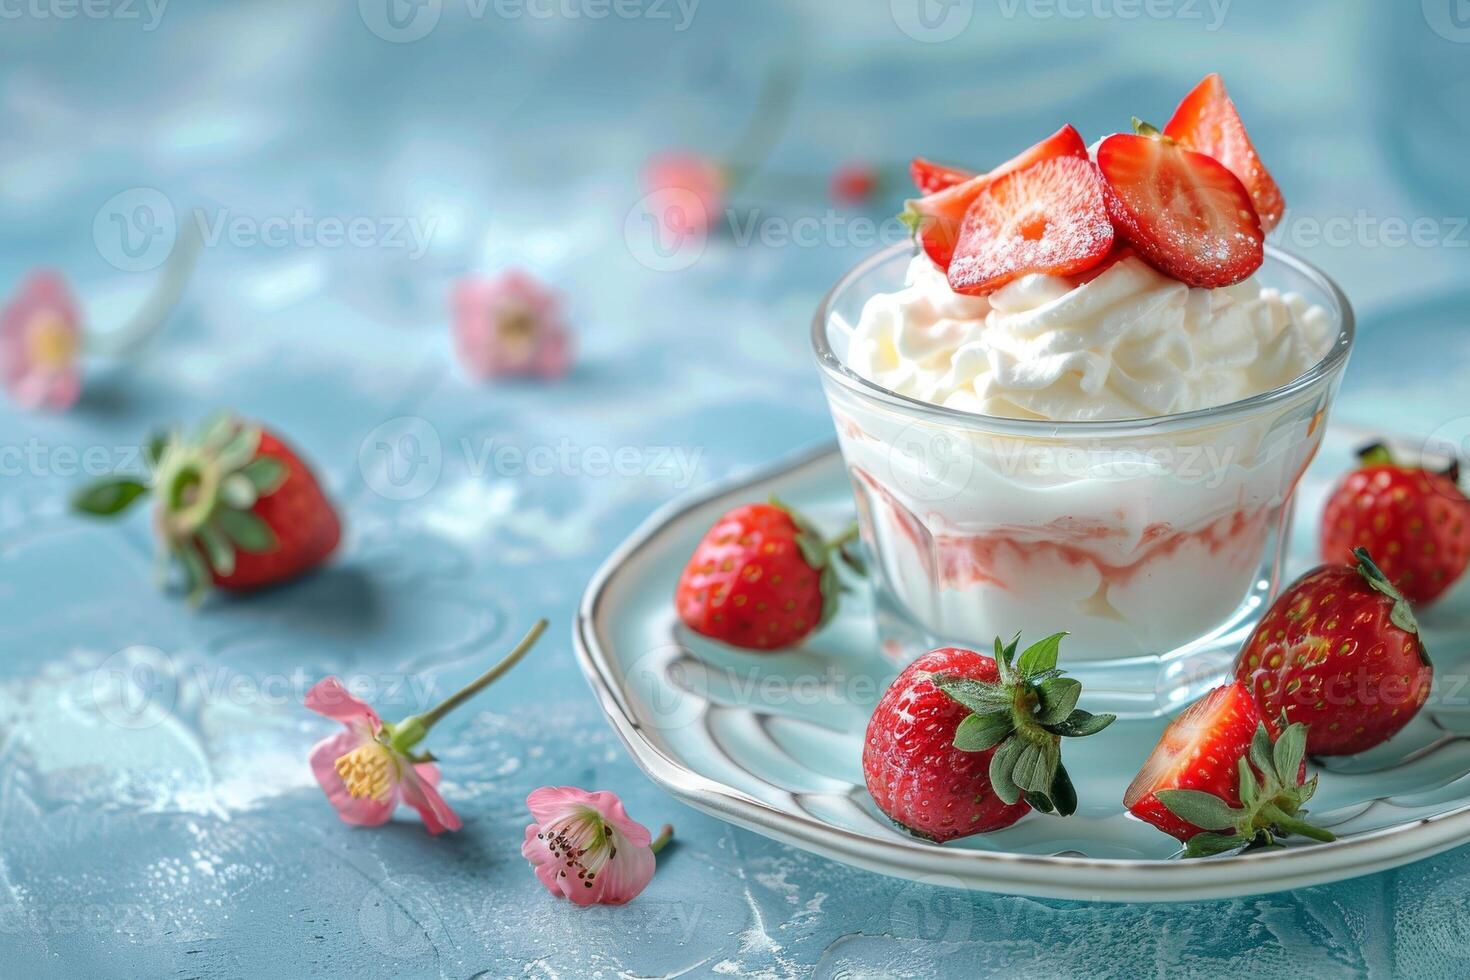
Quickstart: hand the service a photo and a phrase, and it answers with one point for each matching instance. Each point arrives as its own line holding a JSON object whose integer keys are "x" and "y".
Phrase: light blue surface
{"x": 198, "y": 846}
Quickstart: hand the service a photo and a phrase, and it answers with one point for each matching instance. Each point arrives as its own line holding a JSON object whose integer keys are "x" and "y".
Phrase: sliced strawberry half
{"x": 1218, "y": 782}
{"x": 1185, "y": 213}
{"x": 931, "y": 178}
{"x": 1207, "y": 122}
{"x": 1200, "y": 750}
{"x": 936, "y": 219}
{"x": 1050, "y": 218}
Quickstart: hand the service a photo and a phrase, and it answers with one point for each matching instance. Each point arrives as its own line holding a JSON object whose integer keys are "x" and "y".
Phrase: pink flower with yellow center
{"x": 367, "y": 770}
{"x": 40, "y": 341}
{"x": 510, "y": 326}
{"x": 584, "y": 847}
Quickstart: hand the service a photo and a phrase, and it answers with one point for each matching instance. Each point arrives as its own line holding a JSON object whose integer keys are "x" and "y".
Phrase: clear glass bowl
{"x": 1155, "y": 542}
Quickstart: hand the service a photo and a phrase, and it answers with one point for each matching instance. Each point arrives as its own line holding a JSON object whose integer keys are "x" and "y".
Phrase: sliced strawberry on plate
{"x": 1050, "y": 218}
{"x": 1207, "y": 122}
{"x": 1185, "y": 213}
{"x": 1217, "y": 782}
{"x": 936, "y": 219}
{"x": 931, "y": 178}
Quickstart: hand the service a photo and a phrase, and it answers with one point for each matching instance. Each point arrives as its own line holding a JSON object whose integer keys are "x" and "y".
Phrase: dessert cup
{"x": 1156, "y": 543}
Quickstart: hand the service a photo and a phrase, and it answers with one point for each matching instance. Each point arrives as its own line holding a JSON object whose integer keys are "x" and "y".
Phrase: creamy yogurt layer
{"x": 1128, "y": 344}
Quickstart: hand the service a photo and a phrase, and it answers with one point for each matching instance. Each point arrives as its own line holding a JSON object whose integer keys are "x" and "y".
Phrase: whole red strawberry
{"x": 235, "y": 507}
{"x": 1217, "y": 782}
{"x": 1340, "y": 652}
{"x": 962, "y": 743}
{"x": 1415, "y": 521}
{"x": 762, "y": 578}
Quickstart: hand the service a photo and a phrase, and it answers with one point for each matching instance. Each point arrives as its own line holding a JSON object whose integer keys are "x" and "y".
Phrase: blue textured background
{"x": 189, "y": 839}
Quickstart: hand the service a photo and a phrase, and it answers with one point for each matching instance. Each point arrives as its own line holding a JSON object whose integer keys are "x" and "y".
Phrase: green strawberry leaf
{"x": 1000, "y": 769}
{"x": 1056, "y": 698}
{"x": 249, "y": 532}
{"x": 1040, "y": 802}
{"x": 108, "y": 497}
{"x": 1248, "y": 786}
{"x": 1080, "y": 724}
{"x": 1209, "y": 844}
{"x": 1261, "y": 756}
{"x": 980, "y": 732}
{"x": 265, "y": 473}
{"x": 981, "y": 697}
{"x": 1040, "y": 656}
{"x": 218, "y": 550}
{"x": 1063, "y": 793}
{"x": 1204, "y": 810}
{"x": 1291, "y": 748}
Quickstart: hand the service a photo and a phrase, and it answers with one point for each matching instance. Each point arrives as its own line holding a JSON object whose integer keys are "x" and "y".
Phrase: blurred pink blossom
{"x": 703, "y": 183}
{"x": 40, "y": 340}
{"x": 510, "y": 326}
{"x": 584, "y": 846}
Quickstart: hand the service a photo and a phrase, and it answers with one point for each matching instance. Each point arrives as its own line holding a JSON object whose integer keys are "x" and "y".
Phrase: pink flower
{"x": 39, "y": 343}
{"x": 682, "y": 178}
{"x": 362, "y": 772}
{"x": 510, "y": 326}
{"x": 585, "y": 847}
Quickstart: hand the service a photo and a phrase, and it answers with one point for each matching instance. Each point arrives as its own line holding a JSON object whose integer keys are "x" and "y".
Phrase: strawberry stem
{"x": 412, "y": 729}
{"x": 664, "y": 836}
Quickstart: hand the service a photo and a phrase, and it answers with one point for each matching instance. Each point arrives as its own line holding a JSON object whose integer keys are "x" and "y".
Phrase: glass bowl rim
{"x": 1330, "y": 364}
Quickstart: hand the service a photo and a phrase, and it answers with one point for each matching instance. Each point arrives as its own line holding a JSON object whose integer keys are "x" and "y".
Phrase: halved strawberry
{"x": 1049, "y": 218}
{"x": 936, "y": 219}
{"x": 1186, "y": 213}
{"x": 931, "y": 178}
{"x": 1219, "y": 783}
{"x": 1207, "y": 122}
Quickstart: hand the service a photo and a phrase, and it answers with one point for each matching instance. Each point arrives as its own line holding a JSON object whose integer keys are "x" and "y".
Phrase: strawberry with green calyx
{"x": 1024, "y": 716}
{"x": 1272, "y": 797}
{"x": 234, "y": 507}
{"x": 962, "y": 743}
{"x": 1414, "y": 520}
{"x": 763, "y": 578}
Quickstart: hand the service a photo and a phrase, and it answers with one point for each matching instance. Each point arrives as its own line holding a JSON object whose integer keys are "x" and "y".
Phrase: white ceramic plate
{"x": 772, "y": 742}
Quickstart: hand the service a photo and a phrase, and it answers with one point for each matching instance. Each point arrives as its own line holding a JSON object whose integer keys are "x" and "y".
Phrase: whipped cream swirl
{"x": 1131, "y": 343}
